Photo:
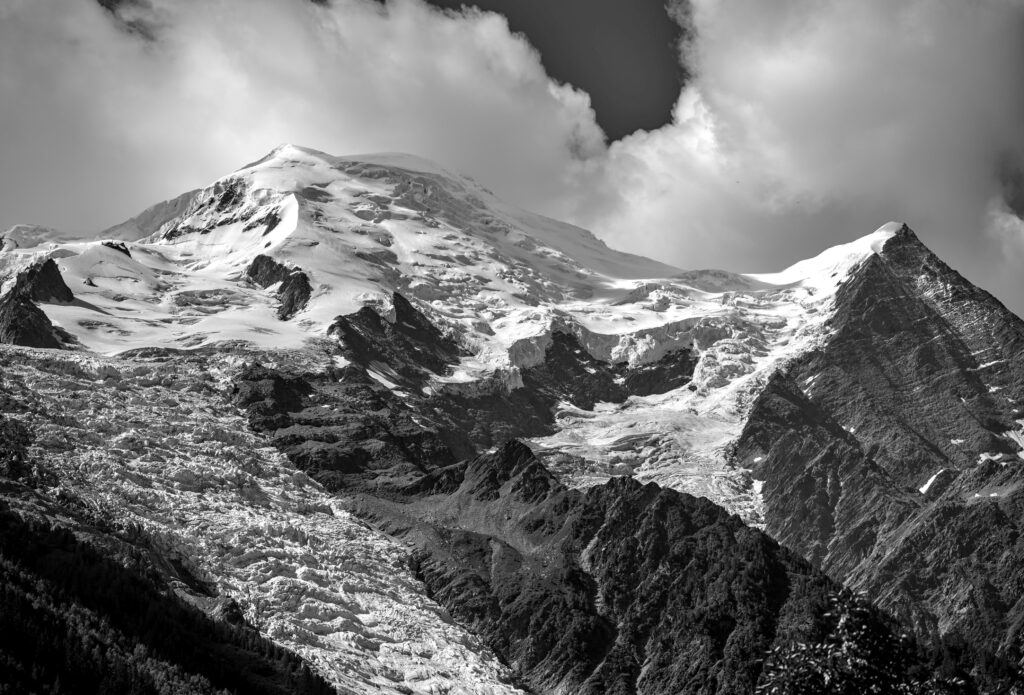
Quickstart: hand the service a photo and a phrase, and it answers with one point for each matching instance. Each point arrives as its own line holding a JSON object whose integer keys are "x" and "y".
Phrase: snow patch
{"x": 381, "y": 379}
{"x": 924, "y": 488}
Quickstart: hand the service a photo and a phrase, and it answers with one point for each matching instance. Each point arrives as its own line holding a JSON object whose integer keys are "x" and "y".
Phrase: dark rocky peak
{"x": 42, "y": 282}
{"x": 904, "y": 235}
{"x": 513, "y": 470}
{"x": 23, "y": 323}
{"x": 409, "y": 316}
{"x": 921, "y": 365}
{"x": 269, "y": 396}
{"x": 118, "y": 246}
{"x": 569, "y": 372}
{"x": 410, "y": 346}
{"x": 822, "y": 489}
{"x": 225, "y": 202}
{"x": 973, "y": 313}
{"x": 627, "y": 588}
{"x": 890, "y": 455}
{"x": 294, "y": 290}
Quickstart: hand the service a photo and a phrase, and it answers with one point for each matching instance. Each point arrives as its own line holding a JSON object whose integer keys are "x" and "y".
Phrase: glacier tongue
{"x": 151, "y": 441}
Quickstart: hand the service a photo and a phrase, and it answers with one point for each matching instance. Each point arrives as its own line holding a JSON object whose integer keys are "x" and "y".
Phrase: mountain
{"x": 893, "y": 454}
{"x": 429, "y": 442}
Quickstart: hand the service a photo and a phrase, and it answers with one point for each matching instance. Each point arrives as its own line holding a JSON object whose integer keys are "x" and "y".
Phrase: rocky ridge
{"x": 892, "y": 456}
{"x": 388, "y": 326}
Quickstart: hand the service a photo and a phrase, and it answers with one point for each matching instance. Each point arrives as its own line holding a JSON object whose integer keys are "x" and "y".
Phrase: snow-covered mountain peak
{"x": 835, "y": 263}
{"x": 379, "y": 323}
{"x": 272, "y": 254}
{"x": 357, "y": 229}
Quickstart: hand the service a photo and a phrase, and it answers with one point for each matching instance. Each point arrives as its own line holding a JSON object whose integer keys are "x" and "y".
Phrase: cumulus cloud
{"x": 805, "y": 123}
{"x": 810, "y": 123}
{"x": 98, "y": 121}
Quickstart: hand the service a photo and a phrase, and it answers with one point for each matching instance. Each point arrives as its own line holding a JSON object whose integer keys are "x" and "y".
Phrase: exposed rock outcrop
{"x": 386, "y": 408}
{"x": 624, "y": 588}
{"x": 118, "y": 246}
{"x": 294, "y": 290}
{"x": 23, "y": 323}
{"x": 42, "y": 282}
{"x": 889, "y": 458}
{"x": 409, "y": 343}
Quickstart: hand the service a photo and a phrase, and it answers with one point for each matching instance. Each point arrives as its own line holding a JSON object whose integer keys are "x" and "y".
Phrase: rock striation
{"x": 890, "y": 456}
{"x": 293, "y": 288}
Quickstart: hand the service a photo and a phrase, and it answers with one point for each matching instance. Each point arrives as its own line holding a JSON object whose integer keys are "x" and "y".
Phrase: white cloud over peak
{"x": 117, "y": 122}
{"x": 808, "y": 122}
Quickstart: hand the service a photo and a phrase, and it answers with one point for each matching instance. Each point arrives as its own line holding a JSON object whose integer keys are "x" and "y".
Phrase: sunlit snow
{"x": 499, "y": 279}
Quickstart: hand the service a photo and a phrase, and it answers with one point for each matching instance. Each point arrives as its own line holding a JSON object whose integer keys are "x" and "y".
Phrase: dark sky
{"x": 622, "y": 52}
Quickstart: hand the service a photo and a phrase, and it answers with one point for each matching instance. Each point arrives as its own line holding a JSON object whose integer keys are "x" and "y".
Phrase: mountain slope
{"x": 893, "y": 454}
{"x": 147, "y": 449}
{"x": 272, "y": 254}
{"x": 387, "y": 327}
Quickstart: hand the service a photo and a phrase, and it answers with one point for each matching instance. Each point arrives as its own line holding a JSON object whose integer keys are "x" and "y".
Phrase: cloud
{"x": 806, "y": 122}
{"x": 811, "y": 122}
{"x": 98, "y": 122}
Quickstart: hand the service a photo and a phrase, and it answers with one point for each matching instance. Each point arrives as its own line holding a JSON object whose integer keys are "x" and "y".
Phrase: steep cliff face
{"x": 293, "y": 288}
{"x": 388, "y": 327}
{"x": 625, "y": 588}
{"x": 22, "y": 322}
{"x": 391, "y": 401}
{"x": 924, "y": 368}
{"x": 892, "y": 455}
{"x": 42, "y": 282}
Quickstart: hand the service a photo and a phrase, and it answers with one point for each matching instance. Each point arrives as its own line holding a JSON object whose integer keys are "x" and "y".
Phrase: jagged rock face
{"x": 385, "y": 408}
{"x": 42, "y": 282}
{"x": 821, "y": 491}
{"x": 269, "y": 396}
{"x": 892, "y": 455}
{"x": 924, "y": 366}
{"x": 141, "y": 456}
{"x": 118, "y": 246}
{"x": 625, "y": 588}
{"x": 294, "y": 290}
{"x": 864, "y": 406}
{"x": 409, "y": 344}
{"x": 672, "y": 371}
{"x": 23, "y": 323}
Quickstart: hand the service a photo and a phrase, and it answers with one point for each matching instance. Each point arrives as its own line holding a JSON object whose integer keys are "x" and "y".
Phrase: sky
{"x": 624, "y": 54}
{"x": 736, "y": 134}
